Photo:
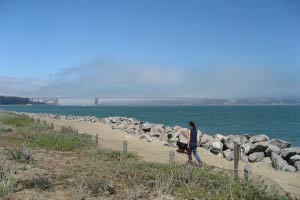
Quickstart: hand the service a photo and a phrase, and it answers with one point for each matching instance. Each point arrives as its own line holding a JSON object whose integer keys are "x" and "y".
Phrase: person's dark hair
{"x": 192, "y": 124}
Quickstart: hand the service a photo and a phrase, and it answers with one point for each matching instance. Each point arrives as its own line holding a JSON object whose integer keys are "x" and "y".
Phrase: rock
{"x": 199, "y": 136}
{"x": 244, "y": 157}
{"x": 258, "y": 147}
{"x": 266, "y": 162}
{"x": 279, "y": 164}
{"x": 216, "y": 147}
{"x": 181, "y": 131}
{"x": 155, "y": 134}
{"x": 228, "y": 145}
{"x": 258, "y": 138}
{"x": 146, "y": 128}
{"x": 219, "y": 137}
{"x": 148, "y": 138}
{"x": 182, "y": 139}
{"x": 297, "y": 165}
{"x": 246, "y": 148}
{"x": 231, "y": 139}
{"x": 280, "y": 143}
{"x": 228, "y": 154}
{"x": 286, "y": 153}
{"x": 294, "y": 159}
{"x": 205, "y": 139}
{"x": 159, "y": 128}
{"x": 256, "y": 157}
{"x": 176, "y": 128}
{"x": 272, "y": 149}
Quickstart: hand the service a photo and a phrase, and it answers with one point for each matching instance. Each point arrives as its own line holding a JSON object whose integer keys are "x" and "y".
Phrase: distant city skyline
{"x": 214, "y": 49}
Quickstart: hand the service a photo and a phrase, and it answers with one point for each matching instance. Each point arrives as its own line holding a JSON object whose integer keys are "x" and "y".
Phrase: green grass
{"x": 108, "y": 155}
{"x": 41, "y": 136}
{"x": 57, "y": 141}
{"x": 115, "y": 176}
{"x": 15, "y": 121}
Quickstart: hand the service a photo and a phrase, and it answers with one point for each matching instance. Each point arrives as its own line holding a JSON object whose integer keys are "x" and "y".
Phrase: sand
{"x": 155, "y": 152}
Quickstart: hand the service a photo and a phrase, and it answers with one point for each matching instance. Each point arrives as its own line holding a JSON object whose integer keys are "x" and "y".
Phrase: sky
{"x": 88, "y": 48}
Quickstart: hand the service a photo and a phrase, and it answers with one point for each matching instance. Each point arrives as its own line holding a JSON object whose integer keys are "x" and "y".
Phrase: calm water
{"x": 276, "y": 121}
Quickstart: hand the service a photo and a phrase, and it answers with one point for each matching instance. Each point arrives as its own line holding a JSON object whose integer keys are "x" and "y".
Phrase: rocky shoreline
{"x": 258, "y": 148}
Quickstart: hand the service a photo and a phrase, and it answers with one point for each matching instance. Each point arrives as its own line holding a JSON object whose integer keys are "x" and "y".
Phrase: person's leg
{"x": 197, "y": 156}
{"x": 189, "y": 150}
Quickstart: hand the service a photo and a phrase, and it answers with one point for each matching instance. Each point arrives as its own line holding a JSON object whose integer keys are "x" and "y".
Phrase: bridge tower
{"x": 96, "y": 101}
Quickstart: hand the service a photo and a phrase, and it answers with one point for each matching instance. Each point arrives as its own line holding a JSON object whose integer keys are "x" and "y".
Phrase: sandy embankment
{"x": 113, "y": 139}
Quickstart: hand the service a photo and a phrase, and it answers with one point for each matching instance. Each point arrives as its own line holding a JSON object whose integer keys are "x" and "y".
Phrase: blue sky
{"x": 41, "y": 40}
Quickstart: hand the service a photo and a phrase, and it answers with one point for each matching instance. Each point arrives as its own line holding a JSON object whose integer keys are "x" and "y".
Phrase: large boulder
{"x": 219, "y": 137}
{"x": 258, "y": 138}
{"x": 216, "y": 147}
{"x": 155, "y": 134}
{"x": 272, "y": 149}
{"x": 244, "y": 157}
{"x": 280, "y": 143}
{"x": 205, "y": 140}
{"x": 148, "y": 138}
{"x": 199, "y": 136}
{"x": 159, "y": 128}
{"x": 286, "y": 153}
{"x": 228, "y": 154}
{"x": 176, "y": 128}
{"x": 246, "y": 148}
{"x": 266, "y": 162}
{"x": 258, "y": 147}
{"x": 256, "y": 157}
{"x": 294, "y": 159}
{"x": 146, "y": 128}
{"x": 280, "y": 164}
{"x": 231, "y": 139}
{"x": 182, "y": 139}
{"x": 297, "y": 165}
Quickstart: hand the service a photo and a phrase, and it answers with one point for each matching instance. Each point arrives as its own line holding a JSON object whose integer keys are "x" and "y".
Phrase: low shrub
{"x": 15, "y": 121}
{"x": 58, "y": 141}
{"x": 7, "y": 180}
{"x": 109, "y": 155}
{"x": 5, "y": 128}
{"x": 39, "y": 183}
{"x": 22, "y": 155}
{"x": 36, "y": 128}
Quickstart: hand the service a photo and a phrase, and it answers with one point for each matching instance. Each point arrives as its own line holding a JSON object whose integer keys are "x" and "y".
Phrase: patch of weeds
{"x": 36, "y": 128}
{"x": 21, "y": 155}
{"x": 7, "y": 180}
{"x": 15, "y": 121}
{"x": 39, "y": 183}
{"x": 58, "y": 141}
{"x": 135, "y": 193}
{"x": 107, "y": 155}
{"x": 5, "y": 128}
{"x": 97, "y": 183}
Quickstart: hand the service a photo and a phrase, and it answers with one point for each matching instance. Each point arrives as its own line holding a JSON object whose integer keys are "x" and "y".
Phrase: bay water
{"x": 281, "y": 122}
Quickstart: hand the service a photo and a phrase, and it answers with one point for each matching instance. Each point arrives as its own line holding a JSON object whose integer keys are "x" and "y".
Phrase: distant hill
{"x": 4, "y": 100}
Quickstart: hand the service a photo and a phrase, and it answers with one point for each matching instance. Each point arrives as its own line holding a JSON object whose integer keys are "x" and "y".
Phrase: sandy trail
{"x": 113, "y": 139}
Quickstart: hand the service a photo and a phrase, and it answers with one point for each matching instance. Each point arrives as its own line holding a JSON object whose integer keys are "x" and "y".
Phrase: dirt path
{"x": 113, "y": 139}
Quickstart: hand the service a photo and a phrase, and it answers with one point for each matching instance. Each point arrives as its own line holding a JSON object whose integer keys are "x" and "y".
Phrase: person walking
{"x": 192, "y": 143}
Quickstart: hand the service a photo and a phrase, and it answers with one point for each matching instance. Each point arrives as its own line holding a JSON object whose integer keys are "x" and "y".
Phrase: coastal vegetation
{"x": 4, "y": 100}
{"x": 38, "y": 162}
